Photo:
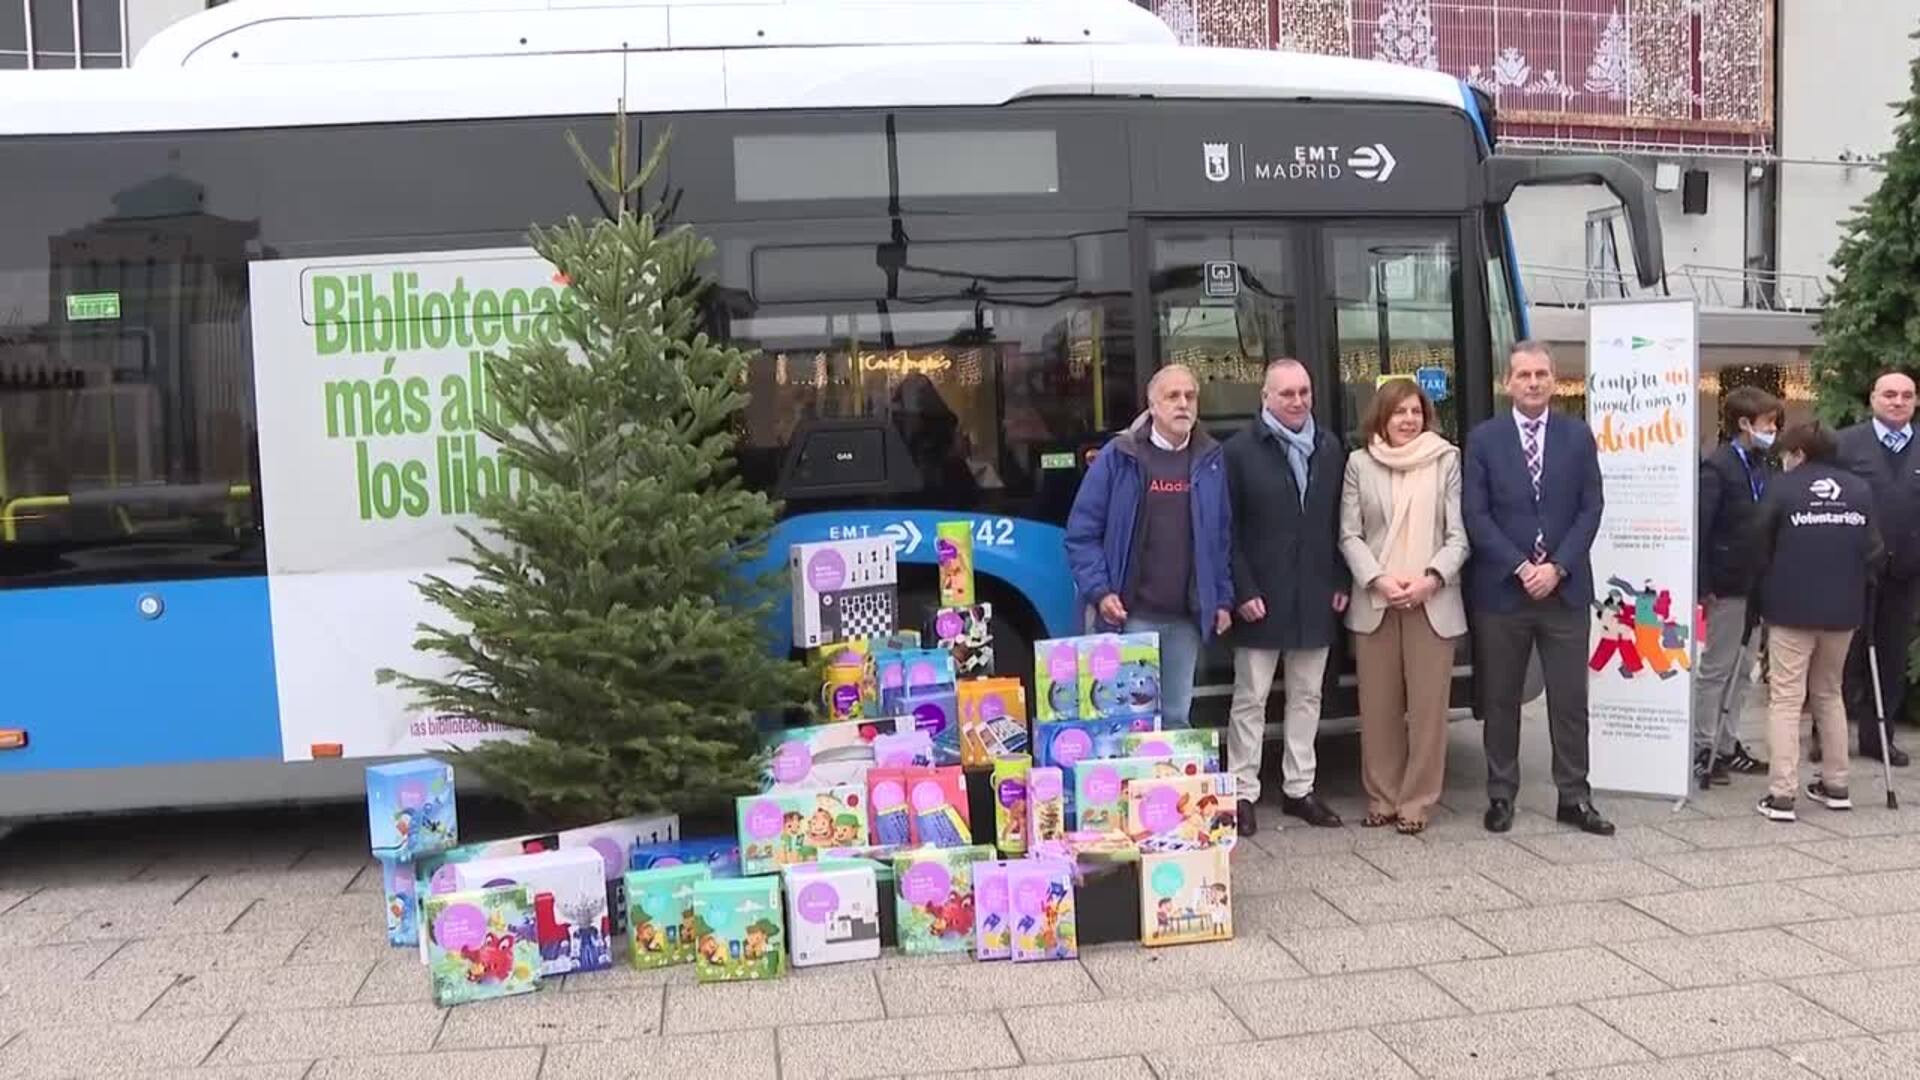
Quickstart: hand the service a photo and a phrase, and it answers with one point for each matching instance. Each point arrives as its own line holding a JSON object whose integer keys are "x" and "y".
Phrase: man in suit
{"x": 1880, "y": 451}
{"x": 1531, "y": 498}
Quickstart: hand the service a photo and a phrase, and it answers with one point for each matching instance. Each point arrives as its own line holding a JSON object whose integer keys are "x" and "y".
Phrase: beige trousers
{"x": 1806, "y": 665}
{"x": 1406, "y": 673}
{"x": 1302, "y": 671}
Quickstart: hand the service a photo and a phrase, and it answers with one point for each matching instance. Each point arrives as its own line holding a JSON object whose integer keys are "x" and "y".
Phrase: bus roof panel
{"x": 152, "y": 100}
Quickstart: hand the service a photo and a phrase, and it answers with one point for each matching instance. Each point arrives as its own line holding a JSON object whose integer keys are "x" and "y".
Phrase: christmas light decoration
{"x": 1234, "y": 24}
{"x": 1316, "y": 26}
{"x": 1662, "y": 51}
{"x": 1732, "y": 60}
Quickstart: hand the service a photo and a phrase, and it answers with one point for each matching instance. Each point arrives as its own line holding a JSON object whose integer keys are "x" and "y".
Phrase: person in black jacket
{"x": 1880, "y": 450}
{"x": 1732, "y": 480}
{"x": 1818, "y": 548}
{"x": 1289, "y": 585}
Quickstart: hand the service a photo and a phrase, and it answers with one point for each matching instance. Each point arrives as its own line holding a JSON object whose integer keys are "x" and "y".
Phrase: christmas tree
{"x": 609, "y": 619}
{"x": 1872, "y": 318}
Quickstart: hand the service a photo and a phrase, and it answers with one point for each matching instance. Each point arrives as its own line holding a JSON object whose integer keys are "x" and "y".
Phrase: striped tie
{"x": 1533, "y": 470}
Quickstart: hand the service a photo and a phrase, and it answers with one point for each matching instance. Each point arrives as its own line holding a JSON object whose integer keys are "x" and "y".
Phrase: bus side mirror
{"x": 1503, "y": 173}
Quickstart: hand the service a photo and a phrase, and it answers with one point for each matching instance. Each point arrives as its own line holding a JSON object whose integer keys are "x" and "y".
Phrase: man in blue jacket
{"x": 1148, "y": 537}
{"x": 1532, "y": 500}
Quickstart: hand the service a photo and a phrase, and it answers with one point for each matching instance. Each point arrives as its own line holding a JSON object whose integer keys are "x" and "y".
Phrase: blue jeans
{"x": 1179, "y": 659}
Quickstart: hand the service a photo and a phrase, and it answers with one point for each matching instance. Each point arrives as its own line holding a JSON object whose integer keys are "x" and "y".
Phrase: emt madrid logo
{"x": 1374, "y": 162}
{"x": 1219, "y": 165}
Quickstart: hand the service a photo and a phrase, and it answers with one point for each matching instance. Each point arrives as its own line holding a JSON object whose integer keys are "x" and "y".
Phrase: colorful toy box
{"x": 966, "y": 632}
{"x": 899, "y": 672}
{"x": 791, "y": 827}
{"x": 936, "y": 711}
{"x": 934, "y": 897}
{"x": 953, "y": 552}
{"x": 571, "y": 927}
{"x": 1040, "y": 892}
{"x": 890, "y": 818}
{"x": 824, "y": 755}
{"x": 661, "y": 914}
{"x": 1119, "y": 675}
{"x": 740, "y": 931}
{"x": 403, "y": 903}
{"x": 1065, "y": 743}
{"x": 1182, "y": 813}
{"x": 833, "y": 913}
{"x": 1099, "y": 787}
{"x": 410, "y": 808}
{"x": 1203, "y": 743}
{"x": 613, "y": 840}
{"x": 1046, "y": 805}
{"x": 1010, "y": 819}
{"x": 908, "y": 750}
{"x": 1056, "y": 679}
{"x": 843, "y": 589}
{"x": 993, "y": 720}
{"x": 720, "y": 855}
{"x": 993, "y": 936}
{"x": 1185, "y": 897}
{"x": 479, "y": 944}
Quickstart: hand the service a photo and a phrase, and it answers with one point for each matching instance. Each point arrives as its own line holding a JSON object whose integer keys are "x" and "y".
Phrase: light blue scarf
{"x": 1299, "y": 446}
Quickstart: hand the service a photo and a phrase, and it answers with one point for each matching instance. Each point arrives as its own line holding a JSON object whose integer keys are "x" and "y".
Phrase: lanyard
{"x": 1755, "y": 484}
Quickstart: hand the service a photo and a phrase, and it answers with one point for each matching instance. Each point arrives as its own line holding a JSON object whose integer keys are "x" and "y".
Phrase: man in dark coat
{"x": 1880, "y": 451}
{"x": 1289, "y": 584}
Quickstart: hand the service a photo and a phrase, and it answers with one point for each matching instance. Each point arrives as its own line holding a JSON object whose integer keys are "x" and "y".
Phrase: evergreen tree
{"x": 610, "y": 618}
{"x": 1872, "y": 317}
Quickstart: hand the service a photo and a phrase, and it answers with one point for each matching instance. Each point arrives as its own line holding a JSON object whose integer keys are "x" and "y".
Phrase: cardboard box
{"x": 572, "y": 928}
{"x": 1010, "y": 818}
{"x": 410, "y": 808}
{"x": 1183, "y": 813}
{"x": 824, "y": 755}
{"x": 792, "y": 827}
{"x": 934, "y": 896}
{"x": 1203, "y": 743}
{"x": 613, "y": 840}
{"x": 1046, "y": 805}
{"x": 833, "y": 913}
{"x": 480, "y": 944}
{"x": 993, "y": 720}
{"x": 1040, "y": 893}
{"x": 1099, "y": 796}
{"x": 403, "y": 903}
{"x": 843, "y": 589}
{"x": 1119, "y": 675}
{"x": 953, "y": 554}
{"x": 741, "y": 930}
{"x": 661, "y": 914}
{"x": 720, "y": 855}
{"x": 1056, "y": 679}
{"x": 966, "y": 632}
{"x": 993, "y": 937}
{"x": 1186, "y": 896}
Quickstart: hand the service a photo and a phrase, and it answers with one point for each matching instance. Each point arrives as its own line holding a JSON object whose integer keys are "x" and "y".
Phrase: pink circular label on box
{"x": 444, "y": 880}
{"x": 947, "y": 625}
{"x": 927, "y": 797}
{"x": 763, "y": 820}
{"x": 792, "y": 762}
{"x": 888, "y": 794}
{"x": 993, "y": 893}
{"x": 925, "y": 883}
{"x": 992, "y": 706}
{"x": 1012, "y": 793}
{"x": 610, "y": 854}
{"x": 1103, "y": 784}
{"x": 412, "y": 794}
{"x": 817, "y": 901}
{"x": 930, "y": 717}
{"x": 1154, "y": 748}
{"x": 461, "y": 926}
{"x": 1104, "y": 663}
{"x": 1063, "y": 665}
{"x": 922, "y": 674}
{"x": 892, "y": 677}
{"x": 1070, "y": 746}
{"x": 664, "y": 861}
{"x": 1030, "y": 896}
{"x": 1160, "y": 810}
{"x": 896, "y": 756}
{"x": 826, "y": 571}
{"x": 1045, "y": 784}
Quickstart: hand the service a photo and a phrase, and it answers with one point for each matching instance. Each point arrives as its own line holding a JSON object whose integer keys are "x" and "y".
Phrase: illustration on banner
{"x": 1638, "y": 630}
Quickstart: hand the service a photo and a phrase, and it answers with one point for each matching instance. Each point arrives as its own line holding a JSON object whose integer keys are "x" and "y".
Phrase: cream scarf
{"x": 1415, "y": 487}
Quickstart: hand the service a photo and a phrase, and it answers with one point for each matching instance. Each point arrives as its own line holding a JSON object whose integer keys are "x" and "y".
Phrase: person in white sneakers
{"x": 1817, "y": 547}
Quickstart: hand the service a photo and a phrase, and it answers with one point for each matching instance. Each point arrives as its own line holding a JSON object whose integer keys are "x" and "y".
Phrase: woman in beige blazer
{"x": 1405, "y": 541}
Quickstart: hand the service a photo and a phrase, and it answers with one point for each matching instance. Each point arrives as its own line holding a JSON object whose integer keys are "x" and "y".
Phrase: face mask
{"x": 1762, "y": 439}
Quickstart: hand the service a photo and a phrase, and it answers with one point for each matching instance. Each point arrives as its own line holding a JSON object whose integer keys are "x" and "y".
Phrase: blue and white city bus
{"x": 959, "y": 236}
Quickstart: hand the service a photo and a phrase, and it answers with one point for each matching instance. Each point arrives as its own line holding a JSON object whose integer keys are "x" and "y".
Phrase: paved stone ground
{"x": 1707, "y": 943}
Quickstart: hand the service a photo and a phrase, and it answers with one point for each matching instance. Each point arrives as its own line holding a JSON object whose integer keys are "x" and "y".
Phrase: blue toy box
{"x": 410, "y": 808}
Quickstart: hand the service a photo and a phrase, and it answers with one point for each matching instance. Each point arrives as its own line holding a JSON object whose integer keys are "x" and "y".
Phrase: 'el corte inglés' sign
{"x": 370, "y": 381}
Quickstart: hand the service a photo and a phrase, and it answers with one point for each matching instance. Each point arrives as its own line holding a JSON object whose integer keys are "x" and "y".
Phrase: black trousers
{"x": 1894, "y": 605}
{"x": 1503, "y": 643}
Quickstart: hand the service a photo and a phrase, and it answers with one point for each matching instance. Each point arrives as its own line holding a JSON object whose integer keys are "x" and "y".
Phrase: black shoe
{"x": 1499, "y": 815}
{"x": 1244, "y": 821}
{"x": 1896, "y": 756}
{"x": 1774, "y": 808}
{"x": 1311, "y": 810}
{"x": 1741, "y": 761}
{"x": 1586, "y": 818}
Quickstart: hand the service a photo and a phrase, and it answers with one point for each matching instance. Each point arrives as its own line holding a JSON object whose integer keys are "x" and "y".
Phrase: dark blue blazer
{"x": 1496, "y": 498}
